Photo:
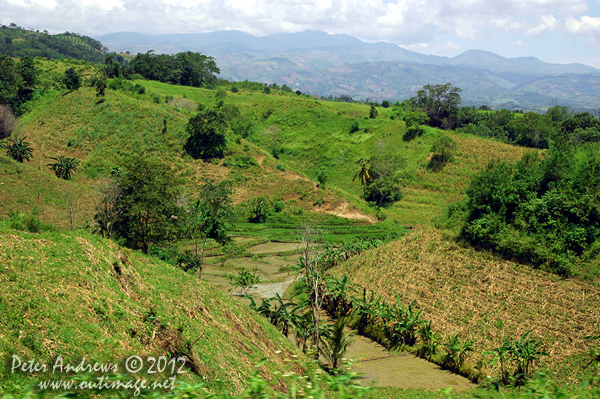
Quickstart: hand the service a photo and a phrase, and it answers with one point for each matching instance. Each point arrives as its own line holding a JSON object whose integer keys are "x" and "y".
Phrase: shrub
{"x": 259, "y": 210}
{"x": 64, "y": 167}
{"x": 373, "y": 112}
{"x": 18, "y": 149}
{"x": 244, "y": 280}
{"x": 220, "y": 95}
{"x": 206, "y": 135}
{"x": 442, "y": 150}
{"x": 278, "y": 206}
{"x": 72, "y": 79}
{"x": 30, "y": 223}
{"x": 322, "y": 177}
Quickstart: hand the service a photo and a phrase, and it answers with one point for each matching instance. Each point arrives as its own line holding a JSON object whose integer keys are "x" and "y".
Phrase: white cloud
{"x": 400, "y": 21}
{"x": 584, "y": 25}
{"x": 442, "y": 49}
{"x": 547, "y": 23}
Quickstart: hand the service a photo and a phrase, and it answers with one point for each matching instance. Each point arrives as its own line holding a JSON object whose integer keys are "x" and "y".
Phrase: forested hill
{"x": 16, "y": 41}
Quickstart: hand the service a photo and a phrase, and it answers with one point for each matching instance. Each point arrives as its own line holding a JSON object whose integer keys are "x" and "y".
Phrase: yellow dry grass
{"x": 483, "y": 298}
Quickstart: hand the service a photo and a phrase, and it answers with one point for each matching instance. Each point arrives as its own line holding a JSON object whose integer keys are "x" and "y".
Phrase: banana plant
{"x": 430, "y": 340}
{"x": 339, "y": 292}
{"x": 283, "y": 318}
{"x": 457, "y": 351}
{"x": 363, "y": 308}
{"x": 500, "y": 355}
{"x": 526, "y": 351}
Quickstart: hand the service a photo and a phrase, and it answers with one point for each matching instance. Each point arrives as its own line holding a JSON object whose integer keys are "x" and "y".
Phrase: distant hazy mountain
{"x": 323, "y": 64}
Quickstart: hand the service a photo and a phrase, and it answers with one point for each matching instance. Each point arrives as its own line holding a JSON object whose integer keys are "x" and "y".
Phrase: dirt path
{"x": 402, "y": 370}
{"x": 269, "y": 290}
{"x": 343, "y": 211}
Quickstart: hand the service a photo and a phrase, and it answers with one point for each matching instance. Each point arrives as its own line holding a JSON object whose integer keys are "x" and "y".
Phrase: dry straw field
{"x": 484, "y": 298}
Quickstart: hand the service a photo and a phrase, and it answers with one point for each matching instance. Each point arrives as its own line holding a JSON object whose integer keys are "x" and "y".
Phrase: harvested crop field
{"x": 484, "y": 298}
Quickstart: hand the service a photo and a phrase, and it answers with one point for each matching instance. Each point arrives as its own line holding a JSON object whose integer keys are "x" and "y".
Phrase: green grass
{"x": 77, "y": 295}
{"x": 316, "y": 134}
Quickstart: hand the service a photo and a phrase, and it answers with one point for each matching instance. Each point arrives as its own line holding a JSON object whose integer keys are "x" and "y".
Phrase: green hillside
{"x": 76, "y": 295}
{"x": 293, "y": 161}
{"x": 19, "y": 42}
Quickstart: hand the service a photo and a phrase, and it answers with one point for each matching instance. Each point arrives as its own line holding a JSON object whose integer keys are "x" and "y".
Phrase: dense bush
{"x": 206, "y": 135}
{"x": 186, "y": 69}
{"x": 544, "y": 212}
{"x": 531, "y": 129}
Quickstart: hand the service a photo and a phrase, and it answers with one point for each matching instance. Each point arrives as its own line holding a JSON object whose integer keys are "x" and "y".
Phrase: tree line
{"x": 18, "y": 42}
{"x": 186, "y": 68}
{"x": 439, "y": 106}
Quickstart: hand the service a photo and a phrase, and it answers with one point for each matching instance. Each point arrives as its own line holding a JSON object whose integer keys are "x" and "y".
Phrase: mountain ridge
{"x": 324, "y": 64}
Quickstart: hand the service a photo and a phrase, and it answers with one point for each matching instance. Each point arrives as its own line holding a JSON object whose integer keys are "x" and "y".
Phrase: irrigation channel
{"x": 376, "y": 365}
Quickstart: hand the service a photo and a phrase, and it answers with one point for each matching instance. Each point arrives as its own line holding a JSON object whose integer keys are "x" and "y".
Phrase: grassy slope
{"x": 316, "y": 134}
{"x": 60, "y": 294}
{"x": 23, "y": 187}
{"x": 482, "y": 297}
{"x": 103, "y": 134}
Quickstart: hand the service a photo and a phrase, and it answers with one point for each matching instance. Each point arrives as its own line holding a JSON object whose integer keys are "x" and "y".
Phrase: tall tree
{"x": 206, "y": 135}
{"x": 72, "y": 79}
{"x": 28, "y": 73}
{"x": 440, "y": 102}
{"x": 147, "y": 200}
{"x": 10, "y": 80}
{"x": 209, "y": 216}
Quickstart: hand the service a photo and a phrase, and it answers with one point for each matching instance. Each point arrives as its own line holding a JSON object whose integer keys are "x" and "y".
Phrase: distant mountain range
{"x": 323, "y": 64}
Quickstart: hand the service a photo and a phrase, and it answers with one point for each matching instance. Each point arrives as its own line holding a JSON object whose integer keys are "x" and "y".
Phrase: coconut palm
{"x": 364, "y": 175}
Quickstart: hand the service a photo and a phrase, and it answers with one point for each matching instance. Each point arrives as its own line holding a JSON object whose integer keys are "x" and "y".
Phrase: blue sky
{"x": 561, "y": 31}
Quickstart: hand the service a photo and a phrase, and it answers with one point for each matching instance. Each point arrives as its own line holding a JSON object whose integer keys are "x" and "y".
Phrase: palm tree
{"x": 364, "y": 175}
{"x": 336, "y": 343}
{"x": 64, "y": 167}
{"x": 18, "y": 149}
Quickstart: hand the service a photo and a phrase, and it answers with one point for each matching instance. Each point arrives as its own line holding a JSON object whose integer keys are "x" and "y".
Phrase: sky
{"x": 557, "y": 31}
